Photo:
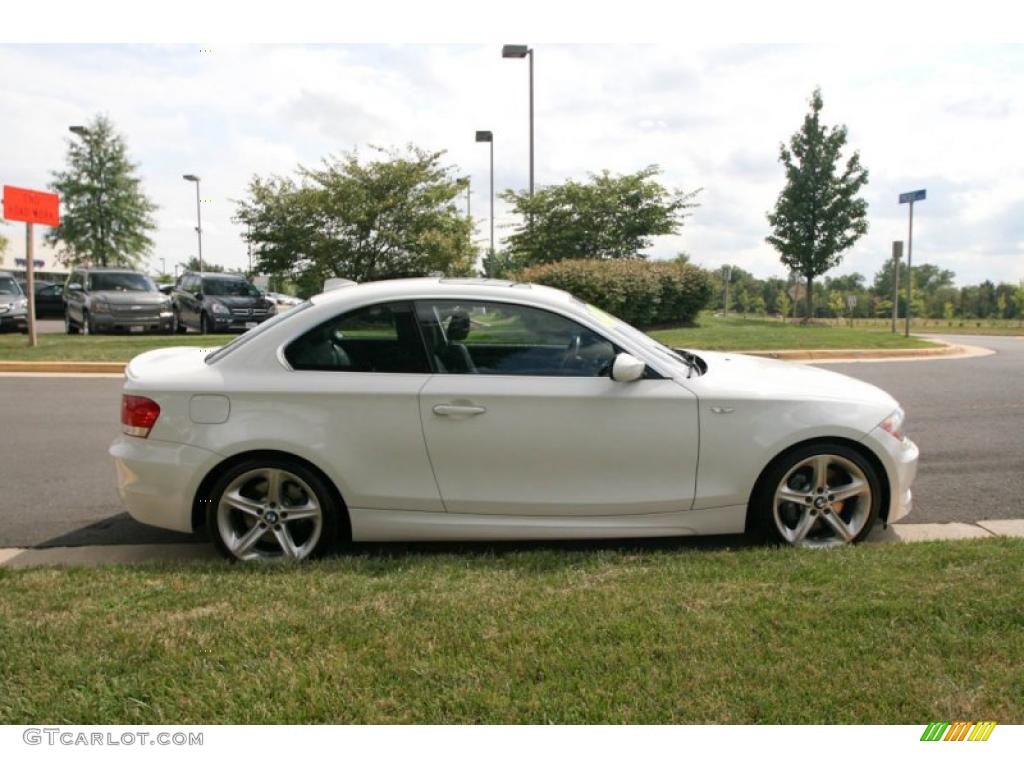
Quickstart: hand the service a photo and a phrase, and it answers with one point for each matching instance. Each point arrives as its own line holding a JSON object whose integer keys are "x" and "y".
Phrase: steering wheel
{"x": 572, "y": 351}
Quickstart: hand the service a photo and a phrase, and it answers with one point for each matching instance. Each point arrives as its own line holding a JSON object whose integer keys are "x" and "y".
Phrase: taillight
{"x": 138, "y": 415}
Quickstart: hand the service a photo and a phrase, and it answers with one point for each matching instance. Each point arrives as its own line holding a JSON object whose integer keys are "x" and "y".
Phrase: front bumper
{"x": 14, "y": 321}
{"x": 157, "y": 480}
{"x": 155, "y": 323}
{"x": 237, "y": 322}
{"x": 900, "y": 460}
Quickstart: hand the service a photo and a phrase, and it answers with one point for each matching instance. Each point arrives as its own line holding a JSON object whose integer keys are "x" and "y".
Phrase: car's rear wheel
{"x": 271, "y": 509}
{"x": 819, "y": 495}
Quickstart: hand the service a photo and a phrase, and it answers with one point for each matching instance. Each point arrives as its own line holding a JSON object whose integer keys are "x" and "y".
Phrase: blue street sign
{"x": 911, "y": 197}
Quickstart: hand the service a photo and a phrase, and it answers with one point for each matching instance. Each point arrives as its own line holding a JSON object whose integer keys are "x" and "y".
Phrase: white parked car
{"x": 442, "y": 409}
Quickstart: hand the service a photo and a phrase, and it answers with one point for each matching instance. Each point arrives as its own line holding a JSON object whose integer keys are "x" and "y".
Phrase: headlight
{"x": 220, "y": 309}
{"x": 20, "y": 304}
{"x": 893, "y": 424}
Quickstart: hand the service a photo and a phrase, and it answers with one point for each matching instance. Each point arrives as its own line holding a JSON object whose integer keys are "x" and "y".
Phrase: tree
{"x": 107, "y": 218}
{"x": 392, "y": 216}
{"x": 783, "y": 305}
{"x": 605, "y": 217}
{"x": 192, "y": 265}
{"x": 836, "y": 303}
{"x": 818, "y": 215}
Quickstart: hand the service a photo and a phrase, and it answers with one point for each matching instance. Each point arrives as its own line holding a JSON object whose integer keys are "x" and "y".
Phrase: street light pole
{"x": 522, "y": 52}
{"x": 199, "y": 217}
{"x": 488, "y": 138}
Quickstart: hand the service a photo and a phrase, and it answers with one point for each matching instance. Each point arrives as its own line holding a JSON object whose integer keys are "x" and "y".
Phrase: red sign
{"x": 31, "y": 206}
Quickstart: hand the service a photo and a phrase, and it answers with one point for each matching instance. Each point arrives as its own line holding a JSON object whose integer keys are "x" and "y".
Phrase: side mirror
{"x": 166, "y": 290}
{"x": 627, "y": 368}
{"x": 199, "y": 295}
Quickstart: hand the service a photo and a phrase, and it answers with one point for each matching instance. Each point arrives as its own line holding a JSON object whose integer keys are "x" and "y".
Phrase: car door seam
{"x": 426, "y": 443}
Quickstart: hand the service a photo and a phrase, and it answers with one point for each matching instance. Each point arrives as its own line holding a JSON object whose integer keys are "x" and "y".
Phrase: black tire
{"x": 204, "y": 323}
{"x": 762, "y": 512}
{"x": 69, "y": 327}
{"x": 87, "y": 329}
{"x": 333, "y": 515}
{"x": 176, "y": 325}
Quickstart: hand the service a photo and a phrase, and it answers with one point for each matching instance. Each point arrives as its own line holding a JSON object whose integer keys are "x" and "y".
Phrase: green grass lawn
{"x": 736, "y": 333}
{"x": 733, "y": 333}
{"x": 121, "y": 348}
{"x": 988, "y": 327}
{"x": 646, "y": 633}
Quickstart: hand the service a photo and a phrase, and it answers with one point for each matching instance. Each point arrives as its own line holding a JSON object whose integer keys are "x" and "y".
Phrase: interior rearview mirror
{"x": 627, "y": 368}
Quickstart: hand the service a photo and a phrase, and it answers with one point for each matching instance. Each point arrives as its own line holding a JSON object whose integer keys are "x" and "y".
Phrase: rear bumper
{"x": 157, "y": 481}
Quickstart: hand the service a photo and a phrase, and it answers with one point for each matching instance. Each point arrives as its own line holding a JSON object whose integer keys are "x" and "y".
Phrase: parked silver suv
{"x": 99, "y": 299}
{"x": 13, "y": 305}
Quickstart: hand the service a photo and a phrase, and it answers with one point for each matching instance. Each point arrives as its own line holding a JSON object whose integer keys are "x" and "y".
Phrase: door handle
{"x": 449, "y": 409}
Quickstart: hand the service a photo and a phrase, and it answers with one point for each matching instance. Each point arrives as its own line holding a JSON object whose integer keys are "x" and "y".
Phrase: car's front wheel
{"x": 204, "y": 323}
{"x": 269, "y": 508}
{"x": 819, "y": 495}
{"x": 69, "y": 327}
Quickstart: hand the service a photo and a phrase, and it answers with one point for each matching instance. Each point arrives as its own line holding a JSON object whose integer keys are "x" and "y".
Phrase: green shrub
{"x": 642, "y": 293}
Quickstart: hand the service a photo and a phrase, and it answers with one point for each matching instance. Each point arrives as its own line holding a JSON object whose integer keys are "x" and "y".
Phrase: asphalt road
{"x": 57, "y": 482}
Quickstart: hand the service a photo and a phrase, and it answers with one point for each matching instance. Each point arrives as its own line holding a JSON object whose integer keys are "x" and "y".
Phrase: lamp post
{"x": 199, "y": 217}
{"x": 487, "y": 137}
{"x": 522, "y": 52}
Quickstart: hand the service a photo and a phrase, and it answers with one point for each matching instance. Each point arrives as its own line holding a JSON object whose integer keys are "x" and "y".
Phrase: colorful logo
{"x": 959, "y": 730}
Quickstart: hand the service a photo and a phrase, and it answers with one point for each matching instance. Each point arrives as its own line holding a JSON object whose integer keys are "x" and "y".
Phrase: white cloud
{"x": 949, "y": 119}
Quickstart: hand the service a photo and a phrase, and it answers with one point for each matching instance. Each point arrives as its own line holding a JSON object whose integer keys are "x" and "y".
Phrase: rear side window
{"x": 382, "y": 338}
{"x": 245, "y": 338}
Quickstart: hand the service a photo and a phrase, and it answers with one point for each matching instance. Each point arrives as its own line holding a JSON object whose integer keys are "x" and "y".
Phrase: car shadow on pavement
{"x": 119, "y": 529}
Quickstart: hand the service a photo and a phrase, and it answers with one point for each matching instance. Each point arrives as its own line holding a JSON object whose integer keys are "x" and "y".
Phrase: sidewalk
{"x": 133, "y": 554}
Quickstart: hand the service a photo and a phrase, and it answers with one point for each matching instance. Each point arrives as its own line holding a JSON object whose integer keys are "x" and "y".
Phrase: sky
{"x": 947, "y": 118}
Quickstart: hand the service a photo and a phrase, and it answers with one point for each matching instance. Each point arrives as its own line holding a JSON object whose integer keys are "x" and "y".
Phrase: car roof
{"x": 109, "y": 269}
{"x": 418, "y": 287}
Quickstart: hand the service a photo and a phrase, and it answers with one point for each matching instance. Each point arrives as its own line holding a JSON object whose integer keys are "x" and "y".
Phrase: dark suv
{"x": 218, "y": 301}
{"x": 99, "y": 299}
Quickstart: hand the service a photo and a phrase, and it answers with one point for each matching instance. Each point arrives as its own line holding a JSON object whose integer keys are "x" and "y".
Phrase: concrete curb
{"x": 819, "y": 355}
{"x": 59, "y": 366}
{"x": 136, "y": 554}
{"x": 944, "y": 350}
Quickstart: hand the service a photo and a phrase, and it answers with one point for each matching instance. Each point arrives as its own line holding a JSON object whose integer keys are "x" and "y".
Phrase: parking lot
{"x": 967, "y": 416}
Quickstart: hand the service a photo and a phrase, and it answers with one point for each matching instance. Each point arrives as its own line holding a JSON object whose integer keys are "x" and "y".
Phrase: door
{"x": 354, "y": 392}
{"x": 187, "y": 303}
{"x": 522, "y": 418}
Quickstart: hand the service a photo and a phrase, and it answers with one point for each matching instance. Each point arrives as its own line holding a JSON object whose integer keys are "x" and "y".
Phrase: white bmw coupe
{"x": 443, "y": 409}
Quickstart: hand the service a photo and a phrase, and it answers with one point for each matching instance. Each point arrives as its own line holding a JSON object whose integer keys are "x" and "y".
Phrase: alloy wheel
{"x": 822, "y": 501}
{"x": 269, "y": 513}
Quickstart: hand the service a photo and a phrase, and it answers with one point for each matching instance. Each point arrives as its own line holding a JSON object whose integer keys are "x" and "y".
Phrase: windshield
{"x": 639, "y": 337}
{"x": 216, "y": 286}
{"x": 120, "y": 281}
{"x": 9, "y": 286}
